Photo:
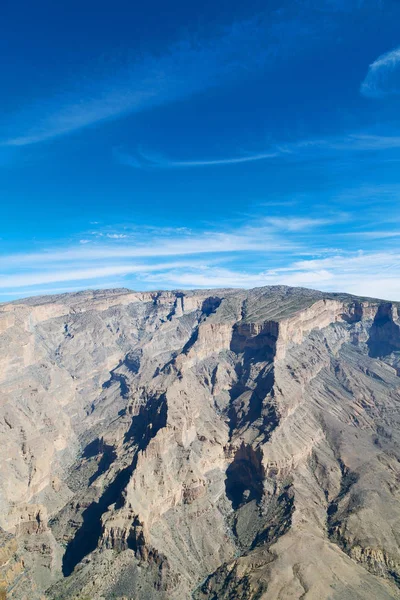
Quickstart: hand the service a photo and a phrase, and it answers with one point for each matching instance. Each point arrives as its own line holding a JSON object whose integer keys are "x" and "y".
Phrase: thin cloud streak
{"x": 306, "y": 149}
{"x": 373, "y": 235}
{"x": 24, "y": 293}
{"x": 219, "y": 277}
{"x": 298, "y": 224}
{"x": 165, "y": 163}
{"x": 43, "y": 277}
{"x": 349, "y": 262}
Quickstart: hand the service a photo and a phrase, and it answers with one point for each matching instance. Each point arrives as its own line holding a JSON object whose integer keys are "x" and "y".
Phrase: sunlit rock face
{"x": 200, "y": 445}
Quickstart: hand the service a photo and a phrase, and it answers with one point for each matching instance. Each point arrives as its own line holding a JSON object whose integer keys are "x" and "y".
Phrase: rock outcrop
{"x": 200, "y": 445}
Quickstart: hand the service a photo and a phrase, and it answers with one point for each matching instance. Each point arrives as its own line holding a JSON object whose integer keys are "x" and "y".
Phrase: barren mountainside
{"x": 205, "y": 445}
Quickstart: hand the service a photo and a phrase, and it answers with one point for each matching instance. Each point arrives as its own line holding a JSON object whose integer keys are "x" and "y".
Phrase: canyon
{"x": 200, "y": 445}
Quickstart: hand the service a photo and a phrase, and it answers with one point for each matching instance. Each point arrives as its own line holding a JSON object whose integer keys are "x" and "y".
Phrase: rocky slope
{"x": 223, "y": 444}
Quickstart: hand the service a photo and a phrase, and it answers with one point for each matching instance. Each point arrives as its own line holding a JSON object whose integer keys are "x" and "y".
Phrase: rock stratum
{"x": 204, "y": 445}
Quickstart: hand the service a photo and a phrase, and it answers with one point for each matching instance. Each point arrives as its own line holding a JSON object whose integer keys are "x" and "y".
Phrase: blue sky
{"x": 214, "y": 144}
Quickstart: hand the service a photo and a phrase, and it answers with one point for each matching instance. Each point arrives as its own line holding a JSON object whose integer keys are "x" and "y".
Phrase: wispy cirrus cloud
{"x": 142, "y": 160}
{"x": 58, "y": 289}
{"x": 39, "y": 277}
{"x": 350, "y": 262}
{"x": 186, "y": 68}
{"x": 273, "y": 249}
{"x": 297, "y": 224}
{"x": 367, "y": 274}
{"x": 209, "y": 277}
{"x": 191, "y": 65}
{"x": 265, "y": 235}
{"x": 250, "y": 238}
{"x": 375, "y": 235}
{"x": 383, "y": 77}
{"x": 302, "y": 149}
{"x": 139, "y": 256}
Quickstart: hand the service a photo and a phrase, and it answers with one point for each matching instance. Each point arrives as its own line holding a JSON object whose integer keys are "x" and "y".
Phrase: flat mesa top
{"x": 253, "y": 305}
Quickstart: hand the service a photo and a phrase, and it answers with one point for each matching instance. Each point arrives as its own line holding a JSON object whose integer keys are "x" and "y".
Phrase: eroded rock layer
{"x": 205, "y": 445}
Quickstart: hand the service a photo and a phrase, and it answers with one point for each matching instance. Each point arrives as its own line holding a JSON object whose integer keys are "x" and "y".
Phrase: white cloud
{"x": 250, "y": 238}
{"x": 219, "y": 277}
{"x": 268, "y": 251}
{"x": 374, "y": 275}
{"x": 350, "y": 262}
{"x": 297, "y": 223}
{"x": 374, "y": 235}
{"x": 383, "y": 77}
{"x": 63, "y": 289}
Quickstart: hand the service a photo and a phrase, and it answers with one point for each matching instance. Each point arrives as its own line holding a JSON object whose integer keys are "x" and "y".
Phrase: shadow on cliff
{"x": 384, "y": 335}
{"x": 257, "y": 408}
{"x": 144, "y": 427}
{"x": 245, "y": 476}
{"x": 208, "y": 307}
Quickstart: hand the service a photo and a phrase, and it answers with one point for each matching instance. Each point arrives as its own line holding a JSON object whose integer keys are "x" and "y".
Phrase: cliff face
{"x": 224, "y": 444}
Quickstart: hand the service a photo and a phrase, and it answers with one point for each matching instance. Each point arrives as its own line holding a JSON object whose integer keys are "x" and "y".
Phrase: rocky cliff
{"x": 222, "y": 444}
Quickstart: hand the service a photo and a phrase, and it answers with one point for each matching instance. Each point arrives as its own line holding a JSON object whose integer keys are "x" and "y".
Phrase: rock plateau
{"x": 205, "y": 445}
